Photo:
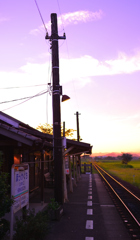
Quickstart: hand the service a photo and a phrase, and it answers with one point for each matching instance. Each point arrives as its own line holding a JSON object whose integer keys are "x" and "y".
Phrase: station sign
{"x": 19, "y": 190}
{"x": 20, "y": 186}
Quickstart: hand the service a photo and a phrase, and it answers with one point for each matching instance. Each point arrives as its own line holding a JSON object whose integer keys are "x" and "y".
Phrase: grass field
{"x": 129, "y": 172}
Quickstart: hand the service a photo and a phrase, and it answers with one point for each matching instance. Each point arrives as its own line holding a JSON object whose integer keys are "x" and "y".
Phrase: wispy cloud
{"x": 125, "y": 118}
{"x": 78, "y": 17}
{"x": 86, "y": 67}
{"x": 73, "y": 18}
{"x": 3, "y": 19}
{"x": 123, "y": 64}
{"x": 81, "y": 70}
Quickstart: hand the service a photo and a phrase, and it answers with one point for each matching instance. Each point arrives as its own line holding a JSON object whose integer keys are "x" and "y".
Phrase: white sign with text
{"x": 19, "y": 190}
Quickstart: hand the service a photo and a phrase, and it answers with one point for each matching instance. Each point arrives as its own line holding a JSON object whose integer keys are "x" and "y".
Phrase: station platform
{"x": 89, "y": 214}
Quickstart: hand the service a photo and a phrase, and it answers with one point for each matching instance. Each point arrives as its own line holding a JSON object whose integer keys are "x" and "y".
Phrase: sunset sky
{"x": 99, "y": 67}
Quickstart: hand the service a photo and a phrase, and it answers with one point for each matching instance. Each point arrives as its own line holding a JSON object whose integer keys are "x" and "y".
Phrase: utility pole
{"x": 77, "y": 123}
{"x": 56, "y": 92}
{"x": 78, "y": 139}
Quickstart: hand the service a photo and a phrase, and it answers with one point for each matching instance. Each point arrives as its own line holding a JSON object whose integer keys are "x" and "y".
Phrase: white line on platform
{"x": 89, "y": 197}
{"x": 89, "y": 238}
{"x": 89, "y": 203}
{"x": 89, "y": 224}
{"x": 90, "y": 192}
{"x": 89, "y": 211}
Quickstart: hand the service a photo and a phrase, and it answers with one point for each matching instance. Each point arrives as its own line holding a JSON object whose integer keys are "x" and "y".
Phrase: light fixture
{"x": 65, "y": 98}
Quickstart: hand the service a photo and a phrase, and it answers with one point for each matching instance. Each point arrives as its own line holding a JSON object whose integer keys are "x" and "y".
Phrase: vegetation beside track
{"x": 127, "y": 172}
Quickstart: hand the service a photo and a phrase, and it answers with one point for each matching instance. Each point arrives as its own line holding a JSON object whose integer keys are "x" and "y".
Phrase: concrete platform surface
{"x": 89, "y": 215}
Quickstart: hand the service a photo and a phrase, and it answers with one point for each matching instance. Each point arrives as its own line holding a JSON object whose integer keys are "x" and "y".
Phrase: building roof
{"x": 24, "y": 134}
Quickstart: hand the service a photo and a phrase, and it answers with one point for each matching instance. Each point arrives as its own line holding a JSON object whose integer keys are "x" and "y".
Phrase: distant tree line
{"x": 99, "y": 158}
{"x": 124, "y": 158}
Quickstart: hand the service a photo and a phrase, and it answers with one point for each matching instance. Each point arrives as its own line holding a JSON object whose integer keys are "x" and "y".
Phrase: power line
{"x": 41, "y": 15}
{"x": 39, "y": 94}
{"x": 24, "y": 86}
{"x": 14, "y": 100}
{"x": 67, "y": 50}
{"x": 60, "y": 14}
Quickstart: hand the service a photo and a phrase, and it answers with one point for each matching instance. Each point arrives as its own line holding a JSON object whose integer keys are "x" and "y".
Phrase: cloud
{"x": 80, "y": 70}
{"x": 3, "y": 19}
{"x": 125, "y": 118}
{"x": 72, "y": 18}
{"x": 87, "y": 66}
{"x": 35, "y": 32}
{"x": 77, "y": 17}
{"x": 124, "y": 64}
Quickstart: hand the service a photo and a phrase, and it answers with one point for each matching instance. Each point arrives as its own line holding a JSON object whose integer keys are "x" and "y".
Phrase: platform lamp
{"x": 65, "y": 98}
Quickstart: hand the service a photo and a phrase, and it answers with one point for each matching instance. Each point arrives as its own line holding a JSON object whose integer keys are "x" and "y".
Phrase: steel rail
{"x": 119, "y": 183}
{"x": 117, "y": 194}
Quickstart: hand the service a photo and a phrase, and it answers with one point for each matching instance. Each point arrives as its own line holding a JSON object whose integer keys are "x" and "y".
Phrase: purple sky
{"x": 99, "y": 67}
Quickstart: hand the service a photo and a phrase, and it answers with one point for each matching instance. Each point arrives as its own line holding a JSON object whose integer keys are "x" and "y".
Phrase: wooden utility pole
{"x": 78, "y": 164}
{"x": 77, "y": 123}
{"x": 56, "y": 92}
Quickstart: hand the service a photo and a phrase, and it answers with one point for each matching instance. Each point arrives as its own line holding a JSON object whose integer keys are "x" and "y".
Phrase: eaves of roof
{"x": 22, "y": 132}
{"x": 17, "y": 135}
{"x": 78, "y": 148}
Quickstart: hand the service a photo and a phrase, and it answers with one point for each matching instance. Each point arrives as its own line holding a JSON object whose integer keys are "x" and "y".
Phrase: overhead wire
{"x": 14, "y": 100}
{"x": 24, "y": 86}
{"x": 40, "y": 93}
{"x": 60, "y": 14}
{"x": 41, "y": 16}
{"x": 49, "y": 84}
{"x": 29, "y": 98}
{"x": 67, "y": 52}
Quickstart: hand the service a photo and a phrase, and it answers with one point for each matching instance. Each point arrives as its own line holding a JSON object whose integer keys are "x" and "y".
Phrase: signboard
{"x": 66, "y": 166}
{"x": 21, "y": 187}
{"x": 67, "y": 171}
{"x": 19, "y": 190}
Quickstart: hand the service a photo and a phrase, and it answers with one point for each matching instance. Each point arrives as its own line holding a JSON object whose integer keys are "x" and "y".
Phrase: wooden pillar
{"x": 70, "y": 174}
{"x": 74, "y": 171}
{"x": 42, "y": 176}
{"x": 64, "y": 182}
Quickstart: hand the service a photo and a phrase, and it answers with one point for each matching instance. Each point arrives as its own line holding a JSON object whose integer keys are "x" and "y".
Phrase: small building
{"x": 20, "y": 143}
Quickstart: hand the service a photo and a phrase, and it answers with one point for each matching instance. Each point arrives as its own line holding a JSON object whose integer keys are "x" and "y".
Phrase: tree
{"x": 48, "y": 128}
{"x": 126, "y": 157}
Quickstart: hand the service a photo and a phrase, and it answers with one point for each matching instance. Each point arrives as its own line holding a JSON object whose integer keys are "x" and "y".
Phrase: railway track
{"x": 126, "y": 202}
